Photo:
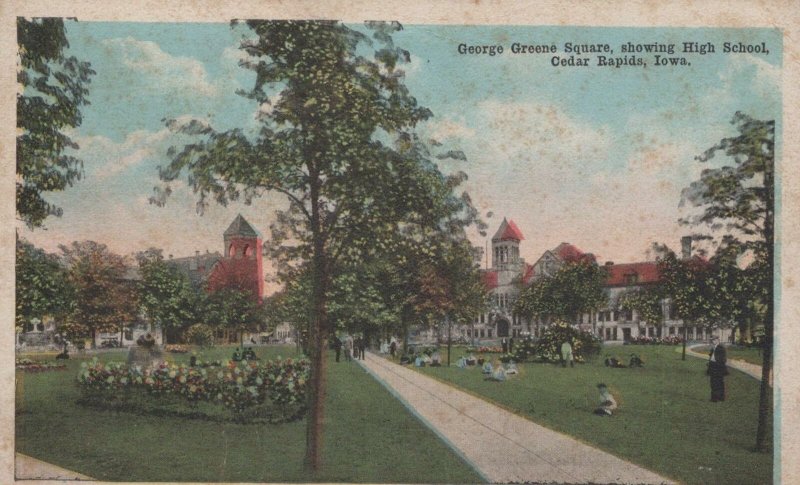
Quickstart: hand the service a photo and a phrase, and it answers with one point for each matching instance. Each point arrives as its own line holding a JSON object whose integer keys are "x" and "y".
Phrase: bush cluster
{"x": 238, "y": 386}
{"x": 585, "y": 346}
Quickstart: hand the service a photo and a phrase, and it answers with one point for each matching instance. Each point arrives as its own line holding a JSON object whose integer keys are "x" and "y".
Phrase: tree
{"x": 687, "y": 283}
{"x": 53, "y": 90}
{"x": 337, "y": 140}
{"x": 167, "y": 296}
{"x": 42, "y": 288}
{"x": 576, "y": 288}
{"x": 646, "y": 302}
{"x": 234, "y": 309}
{"x": 737, "y": 204}
{"x": 105, "y": 298}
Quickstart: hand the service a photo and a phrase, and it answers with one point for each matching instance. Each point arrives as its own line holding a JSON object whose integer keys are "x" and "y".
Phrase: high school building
{"x": 508, "y": 271}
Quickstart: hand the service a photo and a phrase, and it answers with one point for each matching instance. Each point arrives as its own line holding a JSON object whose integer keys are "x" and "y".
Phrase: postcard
{"x": 435, "y": 243}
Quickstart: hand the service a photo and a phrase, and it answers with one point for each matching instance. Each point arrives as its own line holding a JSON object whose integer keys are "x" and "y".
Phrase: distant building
{"x": 509, "y": 272}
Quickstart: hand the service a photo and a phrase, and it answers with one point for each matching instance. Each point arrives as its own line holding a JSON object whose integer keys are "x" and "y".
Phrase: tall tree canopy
{"x": 737, "y": 209}
{"x": 576, "y": 288}
{"x": 105, "y": 298}
{"x": 337, "y": 139}
{"x": 41, "y": 285}
{"x": 53, "y": 90}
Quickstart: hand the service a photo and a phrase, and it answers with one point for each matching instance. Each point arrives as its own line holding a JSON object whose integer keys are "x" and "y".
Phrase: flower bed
{"x": 643, "y": 340}
{"x": 29, "y": 365}
{"x": 239, "y": 387}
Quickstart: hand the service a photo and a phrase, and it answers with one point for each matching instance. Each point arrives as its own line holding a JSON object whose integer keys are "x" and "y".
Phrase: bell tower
{"x": 243, "y": 258}
{"x": 505, "y": 246}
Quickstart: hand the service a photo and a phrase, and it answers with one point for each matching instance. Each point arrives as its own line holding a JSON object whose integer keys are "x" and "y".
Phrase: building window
{"x": 489, "y": 332}
{"x": 247, "y": 251}
{"x": 631, "y": 279}
{"x": 232, "y": 251}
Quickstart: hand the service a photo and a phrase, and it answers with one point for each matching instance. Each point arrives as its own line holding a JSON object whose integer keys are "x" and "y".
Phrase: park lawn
{"x": 752, "y": 356}
{"x": 665, "y": 421}
{"x": 369, "y": 435}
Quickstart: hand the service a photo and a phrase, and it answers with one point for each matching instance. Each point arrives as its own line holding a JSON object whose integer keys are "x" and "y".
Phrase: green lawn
{"x": 369, "y": 436}
{"x": 737, "y": 353}
{"x": 665, "y": 421}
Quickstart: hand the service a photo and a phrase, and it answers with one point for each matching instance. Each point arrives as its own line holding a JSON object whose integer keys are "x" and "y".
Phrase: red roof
{"x": 490, "y": 279}
{"x": 632, "y": 273}
{"x": 568, "y": 252}
{"x": 508, "y": 230}
{"x": 527, "y": 276}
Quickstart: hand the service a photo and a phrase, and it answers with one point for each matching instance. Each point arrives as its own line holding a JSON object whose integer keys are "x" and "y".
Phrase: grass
{"x": 665, "y": 421}
{"x": 369, "y": 436}
{"x": 752, "y": 356}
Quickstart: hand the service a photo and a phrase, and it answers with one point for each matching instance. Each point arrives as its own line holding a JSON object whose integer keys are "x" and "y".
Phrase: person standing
{"x": 362, "y": 346}
{"x": 337, "y": 346}
{"x": 348, "y": 348}
{"x": 717, "y": 370}
{"x": 566, "y": 354}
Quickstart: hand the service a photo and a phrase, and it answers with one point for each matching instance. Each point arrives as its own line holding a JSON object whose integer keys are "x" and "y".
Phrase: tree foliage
{"x": 53, "y": 88}
{"x": 737, "y": 209}
{"x": 42, "y": 287}
{"x": 166, "y": 295}
{"x": 105, "y": 298}
{"x": 575, "y": 288}
{"x": 336, "y": 138}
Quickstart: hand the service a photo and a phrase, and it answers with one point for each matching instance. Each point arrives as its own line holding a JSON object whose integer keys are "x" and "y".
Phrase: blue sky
{"x": 595, "y": 156}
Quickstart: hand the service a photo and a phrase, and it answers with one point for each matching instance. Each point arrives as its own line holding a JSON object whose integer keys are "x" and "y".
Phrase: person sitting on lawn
{"x": 471, "y": 359}
{"x": 613, "y": 362}
{"x": 250, "y": 354}
{"x": 511, "y": 368}
{"x": 487, "y": 367}
{"x": 461, "y": 363}
{"x": 419, "y": 361}
{"x": 237, "y": 357}
{"x": 498, "y": 374}
{"x": 405, "y": 360}
{"x": 636, "y": 361}
{"x": 436, "y": 359}
{"x": 607, "y": 402}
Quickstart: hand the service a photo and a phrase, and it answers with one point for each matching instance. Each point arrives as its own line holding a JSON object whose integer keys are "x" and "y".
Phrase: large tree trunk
{"x": 318, "y": 338}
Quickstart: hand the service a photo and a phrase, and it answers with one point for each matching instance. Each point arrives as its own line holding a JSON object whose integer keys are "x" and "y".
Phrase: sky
{"x": 595, "y": 156}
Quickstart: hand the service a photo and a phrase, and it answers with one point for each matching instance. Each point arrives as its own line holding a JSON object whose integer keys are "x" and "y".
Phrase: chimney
{"x": 609, "y": 263}
{"x": 197, "y": 254}
{"x": 686, "y": 247}
{"x": 170, "y": 256}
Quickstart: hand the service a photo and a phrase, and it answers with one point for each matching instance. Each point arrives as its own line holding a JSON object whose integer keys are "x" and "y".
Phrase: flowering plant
{"x": 176, "y": 348}
{"x": 238, "y": 386}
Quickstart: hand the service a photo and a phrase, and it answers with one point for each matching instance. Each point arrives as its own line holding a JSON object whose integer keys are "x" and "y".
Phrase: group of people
{"x": 353, "y": 348}
{"x": 247, "y": 354}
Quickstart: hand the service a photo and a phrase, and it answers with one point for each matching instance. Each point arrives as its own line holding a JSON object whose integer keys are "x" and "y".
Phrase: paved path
{"x": 502, "y": 446}
{"x": 753, "y": 370}
{"x": 27, "y": 468}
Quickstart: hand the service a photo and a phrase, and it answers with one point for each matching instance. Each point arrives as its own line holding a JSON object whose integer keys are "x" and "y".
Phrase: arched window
{"x": 232, "y": 251}
{"x": 247, "y": 251}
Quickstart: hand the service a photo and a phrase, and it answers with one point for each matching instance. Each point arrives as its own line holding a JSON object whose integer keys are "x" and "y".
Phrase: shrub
{"x": 239, "y": 386}
{"x": 29, "y": 365}
{"x": 200, "y": 334}
{"x": 585, "y": 346}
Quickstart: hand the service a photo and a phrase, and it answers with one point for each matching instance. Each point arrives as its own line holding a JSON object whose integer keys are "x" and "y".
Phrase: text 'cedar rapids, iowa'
{"x": 627, "y": 54}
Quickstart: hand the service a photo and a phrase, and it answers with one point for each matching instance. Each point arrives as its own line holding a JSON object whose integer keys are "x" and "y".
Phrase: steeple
{"x": 240, "y": 227}
{"x": 505, "y": 245}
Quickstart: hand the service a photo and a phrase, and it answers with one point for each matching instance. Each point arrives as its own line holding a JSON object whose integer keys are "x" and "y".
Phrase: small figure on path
{"x": 362, "y": 346}
{"x": 337, "y": 346}
{"x": 511, "y": 345}
{"x": 63, "y": 355}
{"x": 566, "y": 354}
{"x": 504, "y": 343}
{"x": 717, "y": 370}
{"x": 393, "y": 347}
{"x": 348, "y": 348}
{"x": 607, "y": 402}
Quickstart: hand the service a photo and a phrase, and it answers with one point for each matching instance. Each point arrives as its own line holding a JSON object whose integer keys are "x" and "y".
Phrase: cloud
{"x": 444, "y": 130}
{"x": 105, "y": 158}
{"x": 147, "y": 59}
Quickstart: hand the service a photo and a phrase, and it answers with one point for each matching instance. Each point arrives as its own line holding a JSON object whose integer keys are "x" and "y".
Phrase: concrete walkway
{"x": 28, "y": 468}
{"x": 500, "y": 445}
{"x": 753, "y": 370}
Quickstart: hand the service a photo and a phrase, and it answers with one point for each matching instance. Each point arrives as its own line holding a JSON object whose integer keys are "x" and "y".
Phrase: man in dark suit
{"x": 717, "y": 370}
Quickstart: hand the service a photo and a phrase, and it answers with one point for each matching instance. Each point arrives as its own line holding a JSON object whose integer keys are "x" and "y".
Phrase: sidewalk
{"x": 27, "y": 468}
{"x": 500, "y": 445}
{"x": 753, "y": 370}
